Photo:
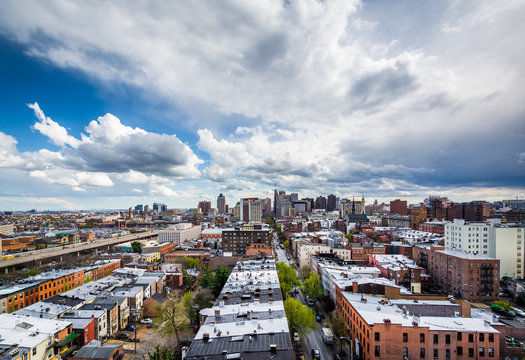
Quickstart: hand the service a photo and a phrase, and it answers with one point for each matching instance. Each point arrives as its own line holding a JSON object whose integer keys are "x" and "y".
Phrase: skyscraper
{"x": 221, "y": 204}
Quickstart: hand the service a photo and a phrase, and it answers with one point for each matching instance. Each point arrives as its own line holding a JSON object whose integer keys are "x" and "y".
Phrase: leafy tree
{"x": 190, "y": 263}
{"x": 270, "y": 221}
{"x": 221, "y": 276}
{"x": 161, "y": 354}
{"x": 339, "y": 328}
{"x": 204, "y": 299}
{"x": 88, "y": 279}
{"x": 520, "y": 300}
{"x": 300, "y": 317}
{"x": 287, "y": 277}
{"x": 504, "y": 304}
{"x": 350, "y": 237}
{"x": 136, "y": 247}
{"x": 173, "y": 316}
{"x": 286, "y": 244}
{"x": 312, "y": 287}
{"x": 32, "y": 272}
{"x": 187, "y": 303}
{"x": 304, "y": 272}
{"x": 206, "y": 279}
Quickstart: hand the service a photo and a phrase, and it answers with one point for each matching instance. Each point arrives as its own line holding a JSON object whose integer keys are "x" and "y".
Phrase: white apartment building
{"x": 500, "y": 241}
{"x": 304, "y": 250}
{"x": 474, "y": 238}
{"x": 180, "y": 234}
{"x": 508, "y": 247}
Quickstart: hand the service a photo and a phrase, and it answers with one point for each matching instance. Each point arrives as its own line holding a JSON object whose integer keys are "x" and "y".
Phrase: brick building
{"x": 472, "y": 277}
{"x": 363, "y": 251}
{"x": 415, "y": 328}
{"x": 399, "y": 207}
{"x": 236, "y": 241}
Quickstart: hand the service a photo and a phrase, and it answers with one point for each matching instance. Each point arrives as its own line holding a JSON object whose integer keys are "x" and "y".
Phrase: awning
{"x": 65, "y": 341}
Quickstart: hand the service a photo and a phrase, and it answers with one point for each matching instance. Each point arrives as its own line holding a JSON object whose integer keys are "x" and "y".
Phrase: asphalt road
{"x": 58, "y": 251}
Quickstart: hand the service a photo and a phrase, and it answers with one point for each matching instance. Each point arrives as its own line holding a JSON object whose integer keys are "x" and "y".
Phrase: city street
{"x": 314, "y": 339}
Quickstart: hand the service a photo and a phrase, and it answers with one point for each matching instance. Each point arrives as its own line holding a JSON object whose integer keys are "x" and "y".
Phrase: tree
{"x": 286, "y": 243}
{"x": 270, "y": 221}
{"x": 300, "y": 317}
{"x": 187, "y": 303}
{"x": 287, "y": 277}
{"x": 32, "y": 272}
{"x": 136, "y": 247}
{"x": 173, "y": 316}
{"x": 504, "y": 304}
{"x": 221, "y": 276}
{"x": 339, "y": 328}
{"x": 520, "y": 300}
{"x": 204, "y": 299}
{"x": 206, "y": 279}
{"x": 350, "y": 237}
{"x": 304, "y": 272}
{"x": 190, "y": 263}
{"x": 161, "y": 354}
{"x": 312, "y": 287}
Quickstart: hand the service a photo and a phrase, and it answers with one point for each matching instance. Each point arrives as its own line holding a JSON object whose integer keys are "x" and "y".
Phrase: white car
{"x": 146, "y": 321}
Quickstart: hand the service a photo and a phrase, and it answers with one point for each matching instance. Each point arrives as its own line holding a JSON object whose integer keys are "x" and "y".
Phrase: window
{"x": 481, "y": 337}
{"x": 470, "y": 352}
{"x": 447, "y": 339}
{"x": 422, "y": 353}
{"x": 482, "y": 351}
{"x": 34, "y": 351}
{"x": 436, "y": 338}
{"x": 377, "y": 350}
{"x": 447, "y": 353}
{"x": 421, "y": 338}
{"x": 435, "y": 353}
{"x": 405, "y": 352}
{"x": 491, "y": 337}
{"x": 377, "y": 337}
{"x": 470, "y": 338}
{"x": 491, "y": 352}
{"x": 459, "y": 350}
{"x": 405, "y": 337}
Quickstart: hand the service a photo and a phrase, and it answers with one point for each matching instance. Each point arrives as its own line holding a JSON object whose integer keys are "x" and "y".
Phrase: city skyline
{"x": 104, "y": 108}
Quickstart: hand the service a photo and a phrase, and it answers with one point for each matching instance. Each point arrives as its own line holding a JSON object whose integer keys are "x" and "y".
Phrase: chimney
{"x": 273, "y": 348}
{"x": 206, "y": 337}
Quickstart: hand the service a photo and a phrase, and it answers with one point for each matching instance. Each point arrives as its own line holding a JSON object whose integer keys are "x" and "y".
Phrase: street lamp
{"x": 350, "y": 342}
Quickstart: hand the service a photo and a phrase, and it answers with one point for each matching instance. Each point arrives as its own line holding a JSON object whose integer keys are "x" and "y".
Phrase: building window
{"x": 491, "y": 337}
{"x": 422, "y": 353}
{"x": 447, "y": 339}
{"x": 491, "y": 352}
{"x": 435, "y": 353}
{"x": 481, "y": 337}
{"x": 377, "y": 350}
{"x": 470, "y": 338}
{"x": 34, "y": 351}
{"x": 470, "y": 352}
{"x": 482, "y": 351}
{"x": 447, "y": 353}
{"x": 405, "y": 337}
{"x": 377, "y": 337}
{"x": 421, "y": 338}
{"x": 459, "y": 350}
{"x": 436, "y": 338}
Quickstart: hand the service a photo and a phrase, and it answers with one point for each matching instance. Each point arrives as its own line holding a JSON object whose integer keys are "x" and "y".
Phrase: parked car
{"x": 316, "y": 354}
{"x": 296, "y": 337}
{"x": 146, "y": 321}
{"x": 150, "y": 325}
{"x": 519, "y": 312}
{"x": 122, "y": 336}
{"x": 130, "y": 327}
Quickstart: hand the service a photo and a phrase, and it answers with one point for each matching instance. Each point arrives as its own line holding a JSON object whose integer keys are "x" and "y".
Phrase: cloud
{"x": 47, "y": 127}
{"x": 343, "y": 94}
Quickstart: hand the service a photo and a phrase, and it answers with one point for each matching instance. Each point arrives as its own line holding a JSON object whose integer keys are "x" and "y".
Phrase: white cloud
{"x": 56, "y": 133}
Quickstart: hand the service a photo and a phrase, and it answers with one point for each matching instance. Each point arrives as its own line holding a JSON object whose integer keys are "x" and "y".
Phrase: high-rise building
{"x": 221, "y": 204}
{"x": 279, "y": 197}
{"x": 294, "y": 197}
{"x": 320, "y": 203}
{"x": 159, "y": 207}
{"x": 139, "y": 208}
{"x": 331, "y": 202}
{"x": 251, "y": 209}
{"x": 399, "y": 207}
{"x": 204, "y": 206}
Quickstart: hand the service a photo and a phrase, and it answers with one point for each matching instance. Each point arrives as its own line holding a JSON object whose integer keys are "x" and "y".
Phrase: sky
{"x": 113, "y": 104}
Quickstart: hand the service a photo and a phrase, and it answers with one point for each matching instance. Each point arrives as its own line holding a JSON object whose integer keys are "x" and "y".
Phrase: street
{"x": 314, "y": 339}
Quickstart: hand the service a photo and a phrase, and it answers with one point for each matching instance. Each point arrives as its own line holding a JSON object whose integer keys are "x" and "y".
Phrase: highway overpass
{"x": 44, "y": 254}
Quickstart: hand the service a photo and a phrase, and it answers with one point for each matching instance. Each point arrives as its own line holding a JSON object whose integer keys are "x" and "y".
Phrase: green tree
{"x": 136, "y": 247}
{"x": 204, "y": 299}
{"x": 504, "y": 304}
{"x": 520, "y": 300}
{"x": 304, "y": 272}
{"x": 187, "y": 303}
{"x": 270, "y": 221}
{"x": 350, "y": 237}
{"x": 32, "y": 272}
{"x": 339, "y": 328}
{"x": 287, "y": 277}
{"x": 286, "y": 244}
{"x": 161, "y": 354}
{"x": 173, "y": 316}
{"x": 191, "y": 263}
{"x": 300, "y": 317}
{"x": 312, "y": 287}
{"x": 206, "y": 279}
{"x": 221, "y": 276}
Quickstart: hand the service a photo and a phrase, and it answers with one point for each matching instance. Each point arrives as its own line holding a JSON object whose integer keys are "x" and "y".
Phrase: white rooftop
{"x": 243, "y": 328}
